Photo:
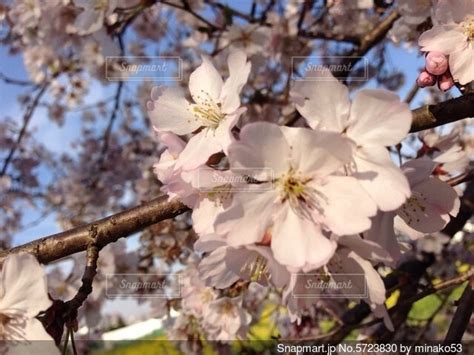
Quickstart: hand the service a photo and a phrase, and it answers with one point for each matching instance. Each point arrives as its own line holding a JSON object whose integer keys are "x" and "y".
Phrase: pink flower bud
{"x": 436, "y": 63}
{"x": 425, "y": 79}
{"x": 445, "y": 81}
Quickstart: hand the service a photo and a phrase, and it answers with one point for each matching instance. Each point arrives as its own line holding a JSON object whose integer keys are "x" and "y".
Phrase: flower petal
{"x": 247, "y": 219}
{"x": 382, "y": 232}
{"x": 323, "y": 103}
{"x": 262, "y": 151}
{"x": 171, "y": 113}
{"x": 339, "y": 196}
{"x": 205, "y": 83}
{"x": 378, "y": 117}
{"x": 297, "y": 241}
{"x": 24, "y": 282}
{"x": 213, "y": 268}
{"x": 239, "y": 70}
{"x": 198, "y": 150}
{"x": 383, "y": 180}
{"x": 461, "y": 64}
{"x": 445, "y": 39}
{"x": 319, "y": 153}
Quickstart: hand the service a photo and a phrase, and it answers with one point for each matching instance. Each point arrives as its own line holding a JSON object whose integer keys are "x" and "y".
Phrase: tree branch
{"x": 430, "y": 116}
{"x": 367, "y": 42}
{"x": 123, "y": 224}
{"x": 26, "y": 121}
{"x": 104, "y": 231}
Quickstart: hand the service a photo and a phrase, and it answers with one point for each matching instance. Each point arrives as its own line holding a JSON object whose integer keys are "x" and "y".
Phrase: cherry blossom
{"x": 170, "y": 176}
{"x": 446, "y": 150}
{"x": 453, "y": 35}
{"x": 216, "y": 109}
{"x": 23, "y": 296}
{"x": 432, "y": 201}
{"x": 300, "y": 196}
{"x": 225, "y": 265}
{"x": 375, "y": 119}
{"x": 412, "y": 14}
{"x": 351, "y": 258}
{"x": 250, "y": 39}
{"x": 272, "y": 203}
{"x": 226, "y": 319}
{"x": 91, "y": 19}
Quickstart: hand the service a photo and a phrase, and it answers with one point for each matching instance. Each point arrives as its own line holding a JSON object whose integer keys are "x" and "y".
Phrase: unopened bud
{"x": 445, "y": 81}
{"x": 436, "y": 63}
{"x": 425, "y": 79}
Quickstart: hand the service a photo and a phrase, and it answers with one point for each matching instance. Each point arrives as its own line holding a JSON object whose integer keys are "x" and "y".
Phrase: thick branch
{"x": 430, "y": 116}
{"x": 104, "y": 231}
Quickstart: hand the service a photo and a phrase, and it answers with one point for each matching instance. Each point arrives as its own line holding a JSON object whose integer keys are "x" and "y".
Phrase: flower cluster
{"x": 453, "y": 36}
{"x": 275, "y": 204}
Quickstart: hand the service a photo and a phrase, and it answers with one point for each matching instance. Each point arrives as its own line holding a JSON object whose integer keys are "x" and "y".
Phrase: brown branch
{"x": 26, "y": 121}
{"x": 462, "y": 315}
{"x": 64, "y": 314}
{"x": 412, "y": 93}
{"x": 85, "y": 290}
{"x": 128, "y": 222}
{"x": 462, "y": 178}
{"x": 104, "y": 231}
{"x": 187, "y": 8}
{"x": 18, "y": 82}
{"x": 377, "y": 34}
{"x": 431, "y": 116}
{"x": 366, "y": 43}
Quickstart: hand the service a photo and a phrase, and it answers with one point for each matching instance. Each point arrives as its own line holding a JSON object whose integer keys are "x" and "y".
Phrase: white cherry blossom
{"x": 300, "y": 199}
{"x": 432, "y": 201}
{"x": 23, "y": 295}
{"x": 350, "y": 267}
{"x": 215, "y": 110}
{"x": 91, "y": 19}
{"x": 375, "y": 119}
{"x": 226, "y": 319}
{"x": 453, "y": 35}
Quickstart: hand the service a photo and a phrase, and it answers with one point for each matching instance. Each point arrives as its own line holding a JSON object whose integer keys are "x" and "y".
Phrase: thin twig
{"x": 92, "y": 256}
{"x": 412, "y": 93}
{"x": 462, "y": 315}
{"x": 18, "y": 82}
{"x": 26, "y": 120}
{"x": 462, "y": 178}
{"x": 66, "y": 341}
